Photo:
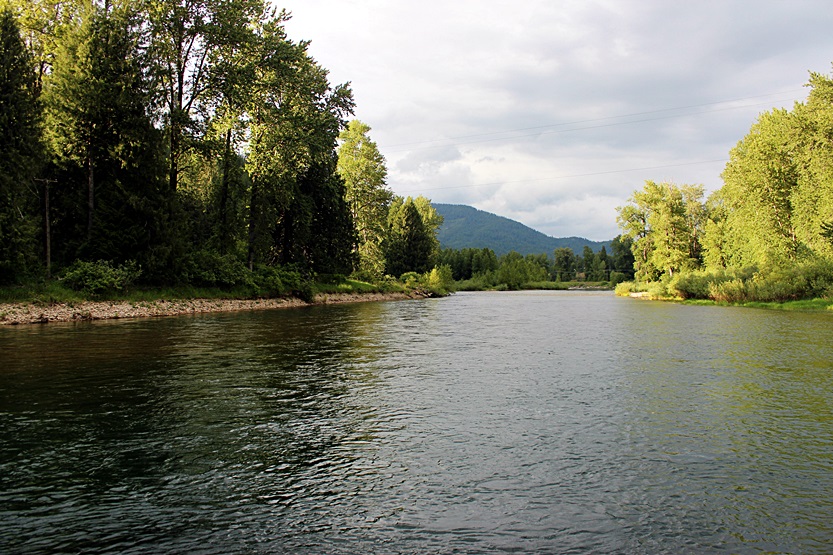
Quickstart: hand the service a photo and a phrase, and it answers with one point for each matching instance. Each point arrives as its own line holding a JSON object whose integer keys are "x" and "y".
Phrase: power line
{"x": 446, "y": 142}
{"x": 573, "y": 176}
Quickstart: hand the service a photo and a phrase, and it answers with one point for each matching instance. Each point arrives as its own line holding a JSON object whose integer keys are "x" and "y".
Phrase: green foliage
{"x": 436, "y": 282}
{"x": 439, "y": 280}
{"x": 20, "y": 153}
{"x": 271, "y": 281}
{"x": 702, "y": 284}
{"x": 514, "y": 271}
{"x": 100, "y": 276}
{"x": 409, "y": 244}
{"x": 362, "y": 167}
{"x": 209, "y": 268}
{"x": 664, "y": 222}
{"x": 768, "y": 284}
{"x": 616, "y": 278}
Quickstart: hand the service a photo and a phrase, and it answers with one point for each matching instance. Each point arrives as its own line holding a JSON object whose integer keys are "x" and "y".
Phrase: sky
{"x": 553, "y": 113}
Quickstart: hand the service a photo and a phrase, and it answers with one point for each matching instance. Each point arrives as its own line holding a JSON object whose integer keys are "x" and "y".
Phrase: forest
{"x": 157, "y": 143}
{"x": 162, "y": 143}
{"x": 765, "y": 236}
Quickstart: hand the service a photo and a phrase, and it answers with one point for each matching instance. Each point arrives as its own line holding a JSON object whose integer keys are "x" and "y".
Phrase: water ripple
{"x": 511, "y": 423}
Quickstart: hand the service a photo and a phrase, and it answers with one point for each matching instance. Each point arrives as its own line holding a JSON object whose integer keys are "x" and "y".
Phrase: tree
{"x": 564, "y": 265}
{"x": 43, "y": 24}
{"x": 622, "y": 259}
{"x": 663, "y": 224}
{"x": 408, "y": 245}
{"x": 362, "y": 167}
{"x": 20, "y": 153}
{"x": 186, "y": 39}
{"x": 295, "y": 117}
{"x": 101, "y": 132}
{"x": 812, "y": 198}
{"x": 759, "y": 181}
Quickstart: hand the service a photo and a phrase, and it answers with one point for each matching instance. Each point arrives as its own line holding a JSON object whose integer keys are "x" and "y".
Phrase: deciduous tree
{"x": 362, "y": 167}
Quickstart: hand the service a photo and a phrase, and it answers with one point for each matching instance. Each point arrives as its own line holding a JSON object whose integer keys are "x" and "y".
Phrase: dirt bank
{"x": 27, "y": 313}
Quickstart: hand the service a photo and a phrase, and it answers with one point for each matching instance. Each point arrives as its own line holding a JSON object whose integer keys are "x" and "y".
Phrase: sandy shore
{"x": 26, "y": 313}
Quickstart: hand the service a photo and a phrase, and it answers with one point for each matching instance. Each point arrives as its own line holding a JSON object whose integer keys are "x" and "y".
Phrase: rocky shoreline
{"x": 30, "y": 313}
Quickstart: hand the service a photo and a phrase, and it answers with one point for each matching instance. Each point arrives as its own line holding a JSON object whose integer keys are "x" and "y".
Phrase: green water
{"x": 558, "y": 422}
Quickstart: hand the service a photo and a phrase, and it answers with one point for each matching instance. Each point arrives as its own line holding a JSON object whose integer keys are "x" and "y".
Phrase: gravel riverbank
{"x": 30, "y": 313}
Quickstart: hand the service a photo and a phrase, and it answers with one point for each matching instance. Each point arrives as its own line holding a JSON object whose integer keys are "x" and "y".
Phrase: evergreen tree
{"x": 408, "y": 244}
{"x": 564, "y": 265}
{"x": 295, "y": 118}
{"x": 622, "y": 259}
{"x": 102, "y": 133}
{"x": 20, "y": 153}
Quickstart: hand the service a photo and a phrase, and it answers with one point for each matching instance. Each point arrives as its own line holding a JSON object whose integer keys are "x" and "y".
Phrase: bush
{"x": 439, "y": 280}
{"x": 625, "y": 288}
{"x": 616, "y": 278}
{"x": 212, "y": 269}
{"x": 100, "y": 276}
{"x": 272, "y": 281}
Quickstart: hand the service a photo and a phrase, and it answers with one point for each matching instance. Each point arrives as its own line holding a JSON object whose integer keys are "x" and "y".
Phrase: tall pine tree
{"x": 19, "y": 154}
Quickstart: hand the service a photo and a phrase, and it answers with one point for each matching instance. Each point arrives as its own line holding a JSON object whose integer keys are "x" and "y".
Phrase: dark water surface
{"x": 554, "y": 422}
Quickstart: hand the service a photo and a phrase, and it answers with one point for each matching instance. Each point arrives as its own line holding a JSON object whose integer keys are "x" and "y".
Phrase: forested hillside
{"x": 465, "y": 227}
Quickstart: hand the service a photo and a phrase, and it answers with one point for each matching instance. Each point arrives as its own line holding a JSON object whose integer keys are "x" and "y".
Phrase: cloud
{"x": 554, "y": 113}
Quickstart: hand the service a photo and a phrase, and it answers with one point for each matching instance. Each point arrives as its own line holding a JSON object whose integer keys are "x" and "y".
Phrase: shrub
{"x": 616, "y": 278}
{"x": 412, "y": 280}
{"x": 732, "y": 291}
{"x": 100, "y": 276}
{"x": 439, "y": 280}
{"x": 210, "y": 268}
{"x": 273, "y": 281}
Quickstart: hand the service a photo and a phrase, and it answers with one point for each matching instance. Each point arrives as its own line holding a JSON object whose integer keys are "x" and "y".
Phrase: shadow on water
{"x": 512, "y": 422}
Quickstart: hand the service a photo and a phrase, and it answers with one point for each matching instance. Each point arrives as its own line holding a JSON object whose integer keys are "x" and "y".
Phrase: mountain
{"x": 467, "y": 227}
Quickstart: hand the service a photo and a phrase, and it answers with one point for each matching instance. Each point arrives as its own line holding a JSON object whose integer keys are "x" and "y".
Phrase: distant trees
{"x": 514, "y": 270}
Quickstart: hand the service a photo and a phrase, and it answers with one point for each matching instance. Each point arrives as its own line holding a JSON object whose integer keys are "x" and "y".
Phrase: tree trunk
{"x": 253, "y": 208}
{"x": 224, "y": 193}
{"x": 47, "y": 230}
{"x": 90, "y": 198}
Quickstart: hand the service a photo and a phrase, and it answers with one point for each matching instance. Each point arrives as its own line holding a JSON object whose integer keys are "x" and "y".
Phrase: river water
{"x": 549, "y": 422}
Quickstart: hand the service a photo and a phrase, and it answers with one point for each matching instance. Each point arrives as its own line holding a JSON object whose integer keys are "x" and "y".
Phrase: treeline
{"x": 766, "y": 235}
{"x": 482, "y": 269}
{"x": 192, "y": 143}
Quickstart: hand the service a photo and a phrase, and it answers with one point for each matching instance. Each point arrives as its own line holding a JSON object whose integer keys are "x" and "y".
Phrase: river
{"x": 548, "y": 422}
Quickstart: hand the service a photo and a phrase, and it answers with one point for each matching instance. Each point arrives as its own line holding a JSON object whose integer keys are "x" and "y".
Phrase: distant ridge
{"x": 467, "y": 227}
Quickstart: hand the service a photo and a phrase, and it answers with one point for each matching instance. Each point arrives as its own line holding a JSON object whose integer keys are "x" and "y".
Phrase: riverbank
{"x": 36, "y": 313}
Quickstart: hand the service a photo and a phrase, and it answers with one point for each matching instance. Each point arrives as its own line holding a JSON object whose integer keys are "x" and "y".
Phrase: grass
{"x": 813, "y": 305}
{"x": 54, "y": 291}
{"x": 806, "y": 305}
{"x": 352, "y": 286}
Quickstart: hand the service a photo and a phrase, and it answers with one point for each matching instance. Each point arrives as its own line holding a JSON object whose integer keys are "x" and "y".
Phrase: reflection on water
{"x": 510, "y": 422}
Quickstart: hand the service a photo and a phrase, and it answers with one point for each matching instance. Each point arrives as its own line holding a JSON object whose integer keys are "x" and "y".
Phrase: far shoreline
{"x": 12, "y": 314}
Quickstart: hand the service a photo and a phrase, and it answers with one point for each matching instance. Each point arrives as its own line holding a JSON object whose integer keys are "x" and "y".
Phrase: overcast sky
{"x": 553, "y": 112}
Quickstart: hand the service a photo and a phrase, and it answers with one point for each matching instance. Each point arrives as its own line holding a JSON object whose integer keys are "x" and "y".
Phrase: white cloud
{"x": 468, "y": 99}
